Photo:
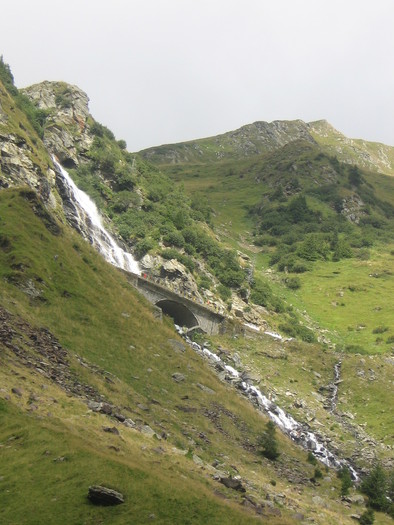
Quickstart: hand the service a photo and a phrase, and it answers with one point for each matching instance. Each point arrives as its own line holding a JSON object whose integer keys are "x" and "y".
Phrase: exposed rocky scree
{"x": 39, "y": 350}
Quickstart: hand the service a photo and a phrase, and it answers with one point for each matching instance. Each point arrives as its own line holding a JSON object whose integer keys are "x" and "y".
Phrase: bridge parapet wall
{"x": 208, "y": 320}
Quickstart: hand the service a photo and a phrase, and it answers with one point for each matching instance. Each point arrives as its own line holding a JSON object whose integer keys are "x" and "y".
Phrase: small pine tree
{"x": 375, "y": 486}
{"x": 318, "y": 473}
{"x": 345, "y": 477}
{"x": 269, "y": 443}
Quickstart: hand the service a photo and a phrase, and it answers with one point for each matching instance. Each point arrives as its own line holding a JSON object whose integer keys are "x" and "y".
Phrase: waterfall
{"x": 298, "y": 432}
{"x": 83, "y": 215}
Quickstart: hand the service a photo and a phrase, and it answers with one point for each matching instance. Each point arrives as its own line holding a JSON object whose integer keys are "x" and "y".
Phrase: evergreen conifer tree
{"x": 269, "y": 443}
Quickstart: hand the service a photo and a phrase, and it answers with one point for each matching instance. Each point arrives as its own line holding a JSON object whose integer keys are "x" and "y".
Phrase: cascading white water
{"x": 89, "y": 223}
{"x": 296, "y": 431}
{"x": 334, "y": 394}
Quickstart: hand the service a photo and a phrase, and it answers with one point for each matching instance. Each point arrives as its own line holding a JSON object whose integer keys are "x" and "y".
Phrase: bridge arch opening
{"x": 181, "y": 315}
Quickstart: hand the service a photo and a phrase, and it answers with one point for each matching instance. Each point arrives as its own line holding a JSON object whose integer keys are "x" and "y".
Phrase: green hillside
{"x": 63, "y": 346}
{"x": 53, "y": 283}
{"x": 298, "y": 212}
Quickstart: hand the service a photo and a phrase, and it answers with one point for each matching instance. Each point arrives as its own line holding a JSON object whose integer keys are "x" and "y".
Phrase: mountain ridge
{"x": 262, "y": 137}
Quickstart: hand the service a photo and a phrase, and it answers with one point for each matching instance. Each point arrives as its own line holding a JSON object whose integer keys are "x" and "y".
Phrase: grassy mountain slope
{"x": 372, "y": 156}
{"x": 128, "y": 358}
{"x": 54, "y": 446}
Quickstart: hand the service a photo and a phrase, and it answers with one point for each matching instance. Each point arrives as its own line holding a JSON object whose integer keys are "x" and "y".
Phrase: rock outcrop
{"x": 67, "y": 132}
{"x": 104, "y": 496}
{"x": 17, "y": 167}
{"x": 23, "y": 158}
{"x": 172, "y": 274}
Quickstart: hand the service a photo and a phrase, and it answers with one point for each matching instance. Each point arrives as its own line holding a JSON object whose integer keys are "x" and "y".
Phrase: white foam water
{"x": 90, "y": 222}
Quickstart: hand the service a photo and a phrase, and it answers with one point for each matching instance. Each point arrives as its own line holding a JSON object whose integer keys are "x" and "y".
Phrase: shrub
{"x": 99, "y": 130}
{"x": 169, "y": 253}
{"x": 313, "y": 247}
{"x": 36, "y": 117}
{"x": 278, "y": 305}
{"x": 189, "y": 249}
{"x": 205, "y": 282}
{"x": 172, "y": 253}
{"x": 63, "y": 100}
{"x": 293, "y": 283}
{"x": 354, "y": 176}
{"x": 306, "y": 334}
{"x": 298, "y": 210}
{"x": 7, "y": 77}
{"x": 224, "y": 292}
{"x": 355, "y": 349}
{"x": 342, "y": 250}
{"x": 300, "y": 267}
{"x": 296, "y": 330}
{"x": 261, "y": 293}
{"x": 174, "y": 238}
{"x": 122, "y": 201}
{"x": 123, "y": 181}
{"x": 380, "y": 329}
{"x": 286, "y": 262}
{"x": 143, "y": 246}
{"x": 367, "y": 517}
{"x": 231, "y": 278}
{"x": 275, "y": 257}
{"x": 265, "y": 240}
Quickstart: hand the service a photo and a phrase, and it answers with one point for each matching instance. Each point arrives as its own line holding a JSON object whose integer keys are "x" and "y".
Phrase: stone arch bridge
{"x": 182, "y": 310}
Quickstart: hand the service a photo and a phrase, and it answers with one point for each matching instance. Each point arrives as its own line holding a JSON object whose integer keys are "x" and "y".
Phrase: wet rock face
{"x": 66, "y": 133}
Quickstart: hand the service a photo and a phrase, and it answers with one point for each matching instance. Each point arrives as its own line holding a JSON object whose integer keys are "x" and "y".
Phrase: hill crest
{"x": 262, "y": 137}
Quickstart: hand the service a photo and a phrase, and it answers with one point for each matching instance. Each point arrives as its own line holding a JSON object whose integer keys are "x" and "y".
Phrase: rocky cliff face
{"x": 66, "y": 133}
{"x": 23, "y": 158}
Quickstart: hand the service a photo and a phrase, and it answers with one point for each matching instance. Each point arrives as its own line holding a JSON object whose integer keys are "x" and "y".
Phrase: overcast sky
{"x": 163, "y": 71}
